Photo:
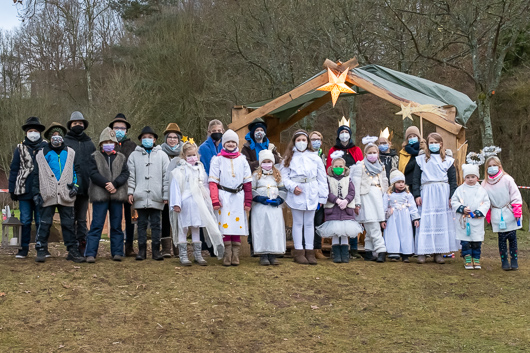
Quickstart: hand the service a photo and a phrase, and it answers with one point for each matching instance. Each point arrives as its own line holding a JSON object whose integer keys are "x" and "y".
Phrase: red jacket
{"x": 354, "y": 152}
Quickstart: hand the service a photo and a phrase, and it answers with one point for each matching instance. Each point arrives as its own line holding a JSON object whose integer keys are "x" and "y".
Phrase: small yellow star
{"x": 406, "y": 111}
{"x": 336, "y": 85}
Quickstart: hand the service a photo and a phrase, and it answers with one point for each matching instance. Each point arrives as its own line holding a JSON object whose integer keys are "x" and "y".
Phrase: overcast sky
{"x": 8, "y": 15}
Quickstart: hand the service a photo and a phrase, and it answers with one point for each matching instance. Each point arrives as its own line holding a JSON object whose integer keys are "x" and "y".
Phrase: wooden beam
{"x": 350, "y": 64}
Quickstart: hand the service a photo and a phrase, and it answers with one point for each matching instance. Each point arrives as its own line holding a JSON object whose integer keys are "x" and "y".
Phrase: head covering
{"x": 396, "y": 176}
{"x": 257, "y": 123}
{"x": 230, "y": 135}
{"x": 470, "y": 169}
{"x": 108, "y": 135}
{"x": 343, "y": 128}
{"x": 33, "y": 123}
{"x": 120, "y": 118}
{"x": 173, "y": 127}
{"x": 337, "y": 155}
{"x": 412, "y": 130}
{"x": 76, "y": 116}
{"x": 54, "y": 127}
{"x": 147, "y": 130}
{"x": 264, "y": 155}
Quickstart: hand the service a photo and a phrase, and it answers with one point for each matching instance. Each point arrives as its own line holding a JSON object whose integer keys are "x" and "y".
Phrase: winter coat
{"x": 83, "y": 147}
{"x": 32, "y": 149}
{"x": 207, "y": 151}
{"x": 339, "y": 187}
{"x": 252, "y": 157}
{"x": 390, "y": 160}
{"x": 476, "y": 198}
{"x": 126, "y": 147}
{"x": 352, "y": 153}
{"x": 106, "y": 168}
{"x": 147, "y": 178}
{"x": 503, "y": 195}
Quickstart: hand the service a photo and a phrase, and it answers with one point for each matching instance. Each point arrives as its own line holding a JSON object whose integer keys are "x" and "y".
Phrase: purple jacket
{"x": 335, "y": 213}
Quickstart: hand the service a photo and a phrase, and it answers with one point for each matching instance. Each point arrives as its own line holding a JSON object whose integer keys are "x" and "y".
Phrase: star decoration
{"x": 406, "y": 111}
{"x": 189, "y": 140}
{"x": 336, "y": 85}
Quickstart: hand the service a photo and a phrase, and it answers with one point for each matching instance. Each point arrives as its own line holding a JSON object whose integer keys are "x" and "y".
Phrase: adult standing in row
{"x": 83, "y": 146}
{"x": 316, "y": 139}
{"x": 408, "y": 154}
{"x": 126, "y": 146}
{"x": 212, "y": 146}
{"x": 22, "y": 172}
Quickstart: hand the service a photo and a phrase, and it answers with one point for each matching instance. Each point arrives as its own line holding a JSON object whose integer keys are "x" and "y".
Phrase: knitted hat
{"x": 264, "y": 155}
{"x": 107, "y": 135}
{"x": 343, "y": 128}
{"x": 396, "y": 176}
{"x": 230, "y": 135}
{"x": 257, "y": 123}
{"x": 470, "y": 169}
{"x": 173, "y": 127}
{"x": 147, "y": 130}
{"x": 54, "y": 127}
{"x": 412, "y": 130}
{"x": 76, "y": 116}
{"x": 33, "y": 123}
{"x": 120, "y": 118}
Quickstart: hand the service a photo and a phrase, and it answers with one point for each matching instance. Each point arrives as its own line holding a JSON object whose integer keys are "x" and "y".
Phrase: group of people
{"x": 406, "y": 203}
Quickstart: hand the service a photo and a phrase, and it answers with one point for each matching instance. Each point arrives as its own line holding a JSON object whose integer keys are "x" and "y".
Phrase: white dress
{"x": 231, "y": 173}
{"x": 372, "y": 209}
{"x": 268, "y": 227}
{"x": 436, "y": 233}
{"x": 402, "y": 210}
{"x": 475, "y": 198}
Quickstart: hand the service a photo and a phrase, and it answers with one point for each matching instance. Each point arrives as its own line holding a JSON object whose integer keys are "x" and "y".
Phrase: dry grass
{"x": 160, "y": 306}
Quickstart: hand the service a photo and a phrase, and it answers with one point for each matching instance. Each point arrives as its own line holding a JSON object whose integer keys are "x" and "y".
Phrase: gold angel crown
{"x": 344, "y": 122}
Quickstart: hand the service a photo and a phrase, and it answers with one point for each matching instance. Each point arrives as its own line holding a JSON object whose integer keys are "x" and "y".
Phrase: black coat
{"x": 15, "y": 166}
{"x": 83, "y": 147}
{"x": 126, "y": 147}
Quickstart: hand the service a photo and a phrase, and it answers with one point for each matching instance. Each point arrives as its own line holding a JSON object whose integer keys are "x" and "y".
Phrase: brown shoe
{"x": 310, "y": 256}
{"x": 227, "y": 259}
{"x": 129, "y": 250}
{"x": 235, "y": 253}
{"x": 319, "y": 255}
{"x": 166, "y": 247}
{"x": 439, "y": 259}
{"x": 299, "y": 257}
{"x": 421, "y": 259}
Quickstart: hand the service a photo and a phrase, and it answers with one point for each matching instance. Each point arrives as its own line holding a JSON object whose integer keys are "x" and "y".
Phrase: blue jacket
{"x": 56, "y": 161}
{"x": 15, "y": 167}
{"x": 207, "y": 151}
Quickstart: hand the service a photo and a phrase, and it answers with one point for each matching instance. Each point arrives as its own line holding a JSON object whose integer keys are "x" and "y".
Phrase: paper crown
{"x": 344, "y": 122}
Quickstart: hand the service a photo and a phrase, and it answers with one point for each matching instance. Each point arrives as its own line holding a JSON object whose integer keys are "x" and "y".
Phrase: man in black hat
{"x": 21, "y": 175}
{"x": 83, "y": 146}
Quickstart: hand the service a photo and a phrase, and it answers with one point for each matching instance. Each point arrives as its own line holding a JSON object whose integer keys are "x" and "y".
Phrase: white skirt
{"x": 436, "y": 233}
{"x": 399, "y": 238}
{"x": 268, "y": 229}
{"x": 330, "y": 229}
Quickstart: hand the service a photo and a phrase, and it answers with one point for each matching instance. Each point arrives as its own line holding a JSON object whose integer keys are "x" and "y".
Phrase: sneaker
{"x": 476, "y": 264}
{"x": 75, "y": 256}
{"x": 22, "y": 254}
{"x": 91, "y": 259}
{"x": 47, "y": 253}
{"x": 41, "y": 256}
{"x": 116, "y": 258}
{"x": 468, "y": 265}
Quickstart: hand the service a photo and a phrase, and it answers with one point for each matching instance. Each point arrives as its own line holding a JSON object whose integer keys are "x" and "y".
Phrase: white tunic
{"x": 401, "y": 210}
{"x": 307, "y": 172}
{"x": 475, "y": 198}
{"x": 231, "y": 173}
{"x": 502, "y": 196}
{"x": 372, "y": 209}
{"x": 268, "y": 227}
{"x": 183, "y": 198}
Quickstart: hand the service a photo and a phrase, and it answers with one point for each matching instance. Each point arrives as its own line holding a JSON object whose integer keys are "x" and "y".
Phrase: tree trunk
{"x": 484, "y": 115}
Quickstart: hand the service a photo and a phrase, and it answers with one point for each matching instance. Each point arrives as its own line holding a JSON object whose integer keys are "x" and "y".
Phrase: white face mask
{"x": 301, "y": 146}
{"x": 33, "y": 136}
{"x": 344, "y": 137}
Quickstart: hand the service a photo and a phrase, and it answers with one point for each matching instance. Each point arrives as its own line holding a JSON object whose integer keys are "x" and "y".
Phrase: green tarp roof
{"x": 406, "y": 86}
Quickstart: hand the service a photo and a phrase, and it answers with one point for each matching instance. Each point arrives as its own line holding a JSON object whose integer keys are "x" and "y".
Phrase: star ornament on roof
{"x": 336, "y": 85}
{"x": 407, "y": 110}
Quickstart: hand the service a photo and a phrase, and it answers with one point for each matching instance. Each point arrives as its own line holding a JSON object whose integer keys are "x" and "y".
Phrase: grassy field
{"x": 160, "y": 306}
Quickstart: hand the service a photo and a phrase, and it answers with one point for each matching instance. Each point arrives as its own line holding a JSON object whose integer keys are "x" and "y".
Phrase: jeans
{"x": 99, "y": 213}
{"x": 471, "y": 248}
{"x": 80, "y": 212}
{"x": 28, "y": 213}
{"x": 129, "y": 226}
{"x": 146, "y": 216}
{"x": 67, "y": 226}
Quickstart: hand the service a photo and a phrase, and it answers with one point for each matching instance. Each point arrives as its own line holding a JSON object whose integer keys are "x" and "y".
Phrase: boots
{"x": 272, "y": 260}
{"x": 310, "y": 256}
{"x": 439, "y": 259}
{"x": 41, "y": 255}
{"x": 142, "y": 252}
{"x": 155, "y": 252}
{"x": 514, "y": 264}
{"x": 236, "y": 246}
{"x": 227, "y": 258}
{"x": 337, "y": 254}
{"x": 421, "y": 259}
{"x": 354, "y": 253}
{"x": 183, "y": 254}
{"x": 381, "y": 257}
{"x": 369, "y": 256}
{"x": 264, "y": 260}
{"x": 345, "y": 253}
{"x": 299, "y": 257}
{"x": 129, "y": 250}
{"x": 197, "y": 248}
{"x": 405, "y": 259}
{"x": 166, "y": 247}
{"x": 319, "y": 255}
{"x": 74, "y": 255}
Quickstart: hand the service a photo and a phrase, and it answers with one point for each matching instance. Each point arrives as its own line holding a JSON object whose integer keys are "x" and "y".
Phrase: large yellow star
{"x": 406, "y": 111}
{"x": 336, "y": 85}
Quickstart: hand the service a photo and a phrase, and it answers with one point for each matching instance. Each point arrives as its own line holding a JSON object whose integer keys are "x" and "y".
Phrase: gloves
{"x": 276, "y": 202}
{"x": 517, "y": 210}
{"x": 342, "y": 203}
{"x": 73, "y": 190}
{"x": 37, "y": 199}
{"x": 13, "y": 196}
{"x": 261, "y": 199}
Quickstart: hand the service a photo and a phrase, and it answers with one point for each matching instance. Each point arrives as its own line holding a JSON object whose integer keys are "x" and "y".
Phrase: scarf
{"x": 492, "y": 180}
{"x": 26, "y": 165}
{"x": 413, "y": 149}
{"x": 257, "y": 147}
{"x": 230, "y": 155}
{"x": 171, "y": 153}
{"x": 373, "y": 168}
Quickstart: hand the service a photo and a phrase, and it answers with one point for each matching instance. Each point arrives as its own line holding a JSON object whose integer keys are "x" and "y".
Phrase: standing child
{"x": 369, "y": 178}
{"x": 191, "y": 207}
{"x": 231, "y": 193}
{"x": 340, "y": 224}
{"x": 401, "y": 212}
{"x": 267, "y": 215}
{"x": 506, "y": 208}
{"x": 471, "y": 203}
{"x": 304, "y": 177}
{"x": 433, "y": 186}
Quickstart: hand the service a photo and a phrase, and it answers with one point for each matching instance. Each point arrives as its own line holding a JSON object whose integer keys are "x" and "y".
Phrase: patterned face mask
{"x": 57, "y": 141}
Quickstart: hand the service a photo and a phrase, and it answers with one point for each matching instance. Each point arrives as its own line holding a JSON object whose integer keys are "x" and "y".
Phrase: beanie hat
{"x": 147, "y": 130}
{"x": 230, "y": 135}
{"x": 470, "y": 169}
{"x": 264, "y": 155}
{"x": 107, "y": 135}
{"x": 396, "y": 176}
{"x": 343, "y": 128}
{"x": 33, "y": 123}
{"x": 173, "y": 127}
{"x": 412, "y": 130}
{"x": 76, "y": 116}
{"x": 120, "y": 118}
{"x": 54, "y": 127}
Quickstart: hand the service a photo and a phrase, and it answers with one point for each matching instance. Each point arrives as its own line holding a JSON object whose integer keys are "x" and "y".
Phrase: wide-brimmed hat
{"x": 173, "y": 127}
{"x": 76, "y": 116}
{"x": 53, "y": 128}
{"x": 147, "y": 130}
{"x": 120, "y": 118}
{"x": 33, "y": 123}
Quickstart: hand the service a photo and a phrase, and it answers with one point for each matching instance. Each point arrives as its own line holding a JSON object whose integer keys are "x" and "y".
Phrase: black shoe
{"x": 272, "y": 260}
{"x": 155, "y": 252}
{"x": 22, "y": 254}
{"x": 381, "y": 257}
{"x": 505, "y": 264}
{"x": 264, "y": 260}
{"x": 75, "y": 256}
{"x": 369, "y": 256}
{"x": 514, "y": 264}
{"x": 41, "y": 256}
{"x": 405, "y": 258}
{"x": 335, "y": 249}
{"x": 345, "y": 253}
{"x": 47, "y": 253}
{"x": 142, "y": 250}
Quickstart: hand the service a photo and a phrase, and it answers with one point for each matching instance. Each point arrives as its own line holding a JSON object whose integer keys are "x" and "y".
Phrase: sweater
{"x": 15, "y": 168}
{"x": 106, "y": 168}
{"x": 83, "y": 147}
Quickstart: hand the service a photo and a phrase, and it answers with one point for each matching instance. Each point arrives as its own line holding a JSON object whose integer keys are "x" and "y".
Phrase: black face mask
{"x": 78, "y": 129}
{"x": 216, "y": 136}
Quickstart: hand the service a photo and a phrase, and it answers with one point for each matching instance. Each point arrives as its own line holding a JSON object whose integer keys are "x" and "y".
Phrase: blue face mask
{"x": 493, "y": 170}
{"x": 413, "y": 140}
{"x": 434, "y": 147}
{"x": 147, "y": 143}
{"x": 120, "y": 134}
{"x": 383, "y": 148}
{"x": 316, "y": 144}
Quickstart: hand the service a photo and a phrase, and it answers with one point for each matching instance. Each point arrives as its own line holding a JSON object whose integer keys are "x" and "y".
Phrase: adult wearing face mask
{"x": 83, "y": 146}
{"x": 212, "y": 146}
{"x": 387, "y": 155}
{"x": 316, "y": 139}
{"x": 344, "y": 143}
{"x": 408, "y": 154}
{"x": 21, "y": 175}
{"x": 258, "y": 141}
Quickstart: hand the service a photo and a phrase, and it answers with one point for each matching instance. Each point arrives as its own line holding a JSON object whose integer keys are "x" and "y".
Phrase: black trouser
{"x": 80, "y": 212}
{"x": 129, "y": 226}
{"x": 146, "y": 216}
{"x": 67, "y": 226}
{"x": 319, "y": 220}
{"x": 166, "y": 225}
